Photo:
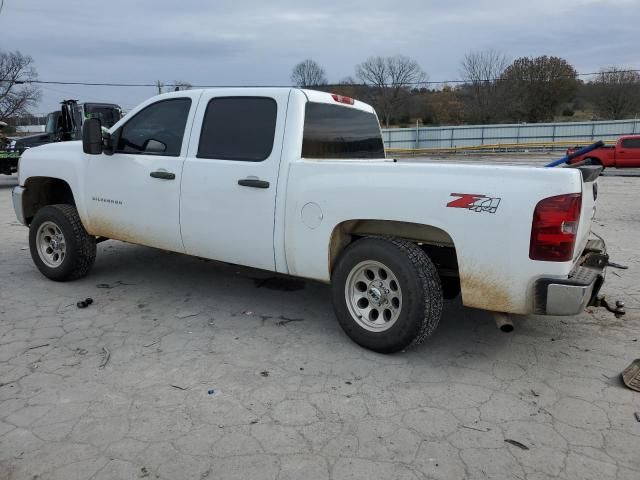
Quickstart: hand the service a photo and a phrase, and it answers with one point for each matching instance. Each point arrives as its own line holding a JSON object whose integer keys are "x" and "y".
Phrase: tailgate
{"x": 590, "y": 175}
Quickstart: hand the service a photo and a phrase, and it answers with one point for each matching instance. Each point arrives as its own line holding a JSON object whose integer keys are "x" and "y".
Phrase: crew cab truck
{"x": 624, "y": 154}
{"x": 296, "y": 181}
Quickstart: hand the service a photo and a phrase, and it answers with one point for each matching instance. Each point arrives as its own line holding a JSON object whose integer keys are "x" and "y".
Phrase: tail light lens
{"x": 555, "y": 227}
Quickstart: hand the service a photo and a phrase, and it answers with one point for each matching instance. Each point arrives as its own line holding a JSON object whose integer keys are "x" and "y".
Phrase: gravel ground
{"x": 189, "y": 369}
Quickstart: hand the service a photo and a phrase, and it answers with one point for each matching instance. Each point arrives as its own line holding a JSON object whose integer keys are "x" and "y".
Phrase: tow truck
{"x": 63, "y": 125}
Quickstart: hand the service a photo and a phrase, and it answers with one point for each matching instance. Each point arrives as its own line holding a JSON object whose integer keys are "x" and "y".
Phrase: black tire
{"x": 80, "y": 247}
{"x": 420, "y": 287}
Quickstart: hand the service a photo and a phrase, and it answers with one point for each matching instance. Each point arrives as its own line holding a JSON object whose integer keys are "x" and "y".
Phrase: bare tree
{"x": 482, "y": 71}
{"x": 17, "y": 95}
{"x": 308, "y": 74}
{"x": 390, "y": 80}
{"x": 616, "y": 92}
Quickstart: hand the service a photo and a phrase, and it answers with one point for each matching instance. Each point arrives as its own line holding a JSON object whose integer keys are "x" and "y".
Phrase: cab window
{"x": 238, "y": 128}
{"x": 156, "y": 130}
{"x": 631, "y": 143}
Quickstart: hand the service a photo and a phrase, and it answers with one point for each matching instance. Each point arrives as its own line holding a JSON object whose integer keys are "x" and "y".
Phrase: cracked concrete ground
{"x": 292, "y": 397}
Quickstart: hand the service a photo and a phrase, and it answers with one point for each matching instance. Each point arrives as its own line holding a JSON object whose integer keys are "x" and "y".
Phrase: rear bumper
{"x": 569, "y": 296}
{"x": 17, "y": 194}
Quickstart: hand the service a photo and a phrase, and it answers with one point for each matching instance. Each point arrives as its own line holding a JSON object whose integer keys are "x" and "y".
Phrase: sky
{"x": 257, "y": 42}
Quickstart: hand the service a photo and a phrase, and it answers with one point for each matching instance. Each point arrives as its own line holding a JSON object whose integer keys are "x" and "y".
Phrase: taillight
{"x": 555, "y": 227}
{"x": 343, "y": 99}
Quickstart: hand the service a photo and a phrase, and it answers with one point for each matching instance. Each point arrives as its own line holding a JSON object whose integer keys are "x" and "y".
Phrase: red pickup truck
{"x": 624, "y": 154}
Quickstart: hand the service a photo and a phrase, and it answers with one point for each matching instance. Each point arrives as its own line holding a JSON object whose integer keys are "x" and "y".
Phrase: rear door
{"x": 628, "y": 155}
{"x": 230, "y": 175}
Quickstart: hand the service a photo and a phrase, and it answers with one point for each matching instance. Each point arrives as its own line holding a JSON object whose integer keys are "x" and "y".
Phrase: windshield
{"x": 108, "y": 115}
{"x": 337, "y": 132}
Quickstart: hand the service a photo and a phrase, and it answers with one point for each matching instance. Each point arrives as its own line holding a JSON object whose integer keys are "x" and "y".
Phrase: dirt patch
{"x": 481, "y": 291}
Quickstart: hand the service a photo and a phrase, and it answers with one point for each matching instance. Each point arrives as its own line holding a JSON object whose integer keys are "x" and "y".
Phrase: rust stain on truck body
{"x": 481, "y": 290}
{"x": 106, "y": 228}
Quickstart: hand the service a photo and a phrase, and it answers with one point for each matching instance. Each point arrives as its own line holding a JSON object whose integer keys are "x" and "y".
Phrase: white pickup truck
{"x": 296, "y": 182}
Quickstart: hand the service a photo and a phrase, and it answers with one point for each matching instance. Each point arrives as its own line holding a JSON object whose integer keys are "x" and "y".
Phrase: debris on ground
{"x": 117, "y": 283}
{"x": 179, "y": 387}
{"x": 105, "y": 359}
{"x": 534, "y": 393}
{"x": 483, "y": 430}
{"x": 631, "y": 375}
{"x": 38, "y": 346}
{"x": 284, "y": 320}
{"x": 264, "y": 373}
{"x": 211, "y": 391}
{"x": 637, "y": 415}
{"x": 516, "y": 443}
{"x": 84, "y": 303}
{"x": 617, "y": 265}
{"x": 151, "y": 344}
{"x": 187, "y": 314}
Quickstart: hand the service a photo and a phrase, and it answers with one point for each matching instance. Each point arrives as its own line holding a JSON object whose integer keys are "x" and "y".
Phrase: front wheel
{"x": 60, "y": 246}
{"x": 386, "y": 294}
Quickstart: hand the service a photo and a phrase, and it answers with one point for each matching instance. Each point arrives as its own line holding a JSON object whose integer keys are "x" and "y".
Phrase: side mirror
{"x": 154, "y": 146}
{"x": 92, "y": 136}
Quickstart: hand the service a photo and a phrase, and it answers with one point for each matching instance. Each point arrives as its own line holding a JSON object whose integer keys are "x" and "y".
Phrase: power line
{"x": 425, "y": 82}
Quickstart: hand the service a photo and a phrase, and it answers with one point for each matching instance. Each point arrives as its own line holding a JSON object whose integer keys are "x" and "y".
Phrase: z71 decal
{"x": 475, "y": 203}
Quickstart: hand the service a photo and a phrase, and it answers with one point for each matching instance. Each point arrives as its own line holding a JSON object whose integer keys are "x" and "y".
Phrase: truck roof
{"x": 312, "y": 95}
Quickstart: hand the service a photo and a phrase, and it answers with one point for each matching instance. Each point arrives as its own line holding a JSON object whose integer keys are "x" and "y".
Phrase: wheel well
{"x": 437, "y": 243}
{"x": 43, "y": 191}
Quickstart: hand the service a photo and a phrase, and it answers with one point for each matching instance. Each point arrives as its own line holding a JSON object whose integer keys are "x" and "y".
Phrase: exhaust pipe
{"x": 503, "y": 322}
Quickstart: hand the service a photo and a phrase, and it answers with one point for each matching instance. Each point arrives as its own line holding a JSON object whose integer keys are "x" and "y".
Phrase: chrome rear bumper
{"x": 569, "y": 296}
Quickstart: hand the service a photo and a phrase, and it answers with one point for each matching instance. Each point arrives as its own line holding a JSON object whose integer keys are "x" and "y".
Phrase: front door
{"x": 230, "y": 176}
{"x": 134, "y": 194}
{"x": 628, "y": 155}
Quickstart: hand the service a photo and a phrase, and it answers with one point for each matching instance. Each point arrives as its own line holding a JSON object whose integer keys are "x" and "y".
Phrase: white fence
{"x": 507, "y": 135}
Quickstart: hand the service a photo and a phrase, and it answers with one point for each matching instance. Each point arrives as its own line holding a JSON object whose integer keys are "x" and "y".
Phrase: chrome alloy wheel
{"x": 373, "y": 296}
{"x": 51, "y": 244}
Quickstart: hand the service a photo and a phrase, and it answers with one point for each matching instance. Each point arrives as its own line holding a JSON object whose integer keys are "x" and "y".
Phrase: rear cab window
{"x": 339, "y": 132}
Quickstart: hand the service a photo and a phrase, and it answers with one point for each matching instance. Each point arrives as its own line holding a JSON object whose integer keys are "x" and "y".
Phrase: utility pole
{"x": 159, "y": 84}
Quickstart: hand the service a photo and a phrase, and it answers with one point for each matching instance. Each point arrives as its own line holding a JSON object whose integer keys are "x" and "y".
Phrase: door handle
{"x": 163, "y": 175}
{"x": 253, "y": 182}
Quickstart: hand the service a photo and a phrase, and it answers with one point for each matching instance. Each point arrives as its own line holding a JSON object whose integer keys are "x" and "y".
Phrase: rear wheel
{"x": 60, "y": 246}
{"x": 386, "y": 294}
